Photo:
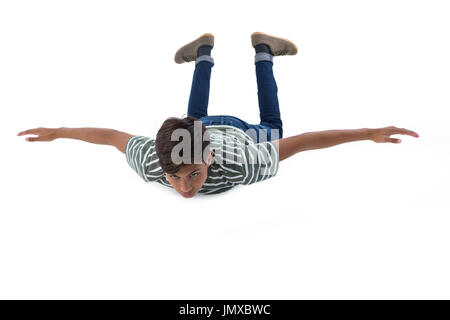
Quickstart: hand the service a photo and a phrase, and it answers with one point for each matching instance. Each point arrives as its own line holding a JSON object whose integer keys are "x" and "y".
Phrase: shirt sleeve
{"x": 141, "y": 156}
{"x": 261, "y": 161}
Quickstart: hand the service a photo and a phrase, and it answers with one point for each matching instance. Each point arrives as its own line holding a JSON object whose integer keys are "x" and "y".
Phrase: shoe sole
{"x": 273, "y": 42}
{"x": 192, "y": 47}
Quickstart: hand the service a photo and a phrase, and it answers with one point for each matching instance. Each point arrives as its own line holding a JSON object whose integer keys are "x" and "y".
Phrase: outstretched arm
{"x": 110, "y": 137}
{"x": 324, "y": 139}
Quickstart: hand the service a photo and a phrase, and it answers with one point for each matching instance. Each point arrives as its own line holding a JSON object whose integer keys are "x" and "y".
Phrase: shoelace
{"x": 189, "y": 58}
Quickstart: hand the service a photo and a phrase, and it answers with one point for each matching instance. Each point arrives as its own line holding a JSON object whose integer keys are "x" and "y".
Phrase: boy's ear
{"x": 210, "y": 158}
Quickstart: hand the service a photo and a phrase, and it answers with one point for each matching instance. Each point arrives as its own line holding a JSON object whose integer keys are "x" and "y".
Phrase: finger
{"x": 31, "y": 139}
{"x": 29, "y": 131}
{"x": 21, "y": 133}
{"x": 393, "y": 140}
{"x": 407, "y": 132}
{"x": 412, "y": 133}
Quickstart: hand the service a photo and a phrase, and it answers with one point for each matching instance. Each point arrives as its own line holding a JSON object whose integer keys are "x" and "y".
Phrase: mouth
{"x": 187, "y": 195}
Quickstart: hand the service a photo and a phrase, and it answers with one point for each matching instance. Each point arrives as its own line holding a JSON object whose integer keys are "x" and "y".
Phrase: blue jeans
{"x": 270, "y": 127}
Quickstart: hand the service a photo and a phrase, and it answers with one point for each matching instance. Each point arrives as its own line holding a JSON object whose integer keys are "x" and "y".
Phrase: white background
{"x": 359, "y": 220}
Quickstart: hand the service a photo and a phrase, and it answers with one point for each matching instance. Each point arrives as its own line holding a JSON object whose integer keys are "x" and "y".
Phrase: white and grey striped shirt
{"x": 237, "y": 159}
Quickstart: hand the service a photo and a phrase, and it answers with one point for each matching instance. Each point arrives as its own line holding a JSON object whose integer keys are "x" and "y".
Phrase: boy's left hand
{"x": 383, "y": 134}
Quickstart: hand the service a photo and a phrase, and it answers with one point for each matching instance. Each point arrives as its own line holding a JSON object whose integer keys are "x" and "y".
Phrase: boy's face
{"x": 190, "y": 178}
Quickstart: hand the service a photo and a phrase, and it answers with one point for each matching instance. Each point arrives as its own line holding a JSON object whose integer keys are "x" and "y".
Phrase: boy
{"x": 218, "y": 152}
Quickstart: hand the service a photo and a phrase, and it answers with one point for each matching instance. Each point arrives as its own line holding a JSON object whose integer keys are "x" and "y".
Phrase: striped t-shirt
{"x": 237, "y": 159}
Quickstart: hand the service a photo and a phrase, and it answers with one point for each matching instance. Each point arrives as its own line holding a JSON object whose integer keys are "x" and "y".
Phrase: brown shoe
{"x": 278, "y": 46}
{"x": 188, "y": 52}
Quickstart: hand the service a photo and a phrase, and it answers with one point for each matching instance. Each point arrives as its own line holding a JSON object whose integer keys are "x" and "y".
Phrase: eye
{"x": 194, "y": 174}
{"x": 174, "y": 177}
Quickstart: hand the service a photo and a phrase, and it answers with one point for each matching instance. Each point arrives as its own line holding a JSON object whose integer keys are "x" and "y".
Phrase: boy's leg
{"x": 269, "y": 109}
{"x": 199, "y": 51}
{"x": 266, "y": 47}
{"x": 199, "y": 96}
{"x": 271, "y": 126}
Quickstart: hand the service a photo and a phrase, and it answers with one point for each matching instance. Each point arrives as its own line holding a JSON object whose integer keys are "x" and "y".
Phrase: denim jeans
{"x": 270, "y": 127}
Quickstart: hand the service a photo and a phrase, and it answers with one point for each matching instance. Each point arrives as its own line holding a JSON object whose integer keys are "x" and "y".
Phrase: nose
{"x": 185, "y": 186}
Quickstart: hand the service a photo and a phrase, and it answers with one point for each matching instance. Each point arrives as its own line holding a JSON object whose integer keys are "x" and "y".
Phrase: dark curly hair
{"x": 164, "y": 143}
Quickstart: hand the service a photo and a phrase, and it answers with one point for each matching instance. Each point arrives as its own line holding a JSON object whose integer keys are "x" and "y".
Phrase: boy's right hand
{"x": 43, "y": 134}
